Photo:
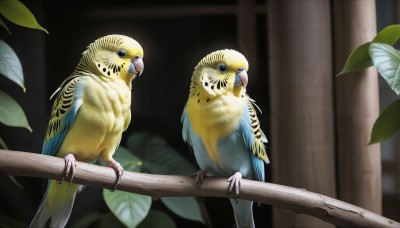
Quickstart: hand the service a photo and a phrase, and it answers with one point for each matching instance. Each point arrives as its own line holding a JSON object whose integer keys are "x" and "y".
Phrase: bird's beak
{"x": 241, "y": 78}
{"x": 137, "y": 65}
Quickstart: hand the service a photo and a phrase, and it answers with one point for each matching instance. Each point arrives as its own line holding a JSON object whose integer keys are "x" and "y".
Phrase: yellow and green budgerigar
{"x": 92, "y": 109}
{"x": 221, "y": 126}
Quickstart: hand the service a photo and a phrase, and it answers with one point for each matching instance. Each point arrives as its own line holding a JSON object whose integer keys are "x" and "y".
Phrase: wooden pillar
{"x": 246, "y": 20}
{"x": 301, "y": 91}
{"x": 357, "y": 107}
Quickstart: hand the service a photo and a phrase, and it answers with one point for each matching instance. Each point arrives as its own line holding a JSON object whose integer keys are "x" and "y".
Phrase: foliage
{"x": 148, "y": 153}
{"x": 381, "y": 54}
{"x": 11, "y": 113}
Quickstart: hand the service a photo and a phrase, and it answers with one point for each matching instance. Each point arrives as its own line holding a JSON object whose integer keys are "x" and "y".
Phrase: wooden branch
{"x": 298, "y": 200}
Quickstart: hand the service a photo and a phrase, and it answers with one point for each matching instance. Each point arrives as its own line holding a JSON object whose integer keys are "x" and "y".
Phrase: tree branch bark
{"x": 18, "y": 163}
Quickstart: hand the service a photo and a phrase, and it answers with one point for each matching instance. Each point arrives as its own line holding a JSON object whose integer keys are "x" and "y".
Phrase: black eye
{"x": 222, "y": 67}
{"x": 121, "y": 53}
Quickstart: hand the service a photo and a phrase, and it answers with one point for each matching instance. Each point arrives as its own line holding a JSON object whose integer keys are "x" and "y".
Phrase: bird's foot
{"x": 200, "y": 175}
{"x": 234, "y": 184}
{"x": 119, "y": 170}
{"x": 69, "y": 169}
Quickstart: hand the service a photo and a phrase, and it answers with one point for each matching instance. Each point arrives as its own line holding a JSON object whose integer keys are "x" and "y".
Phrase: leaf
{"x": 157, "y": 218}
{"x": 358, "y": 60}
{"x": 386, "y": 60}
{"x": 11, "y": 113}
{"x": 128, "y": 161}
{"x": 4, "y": 25}
{"x": 388, "y": 35}
{"x": 19, "y": 14}
{"x": 157, "y": 156}
{"x": 86, "y": 219}
{"x": 10, "y": 66}
{"x": 129, "y": 208}
{"x": 387, "y": 124}
{"x": 185, "y": 207}
{"x": 3, "y": 144}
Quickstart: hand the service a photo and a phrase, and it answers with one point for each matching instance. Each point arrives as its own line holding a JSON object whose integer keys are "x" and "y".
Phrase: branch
{"x": 17, "y": 163}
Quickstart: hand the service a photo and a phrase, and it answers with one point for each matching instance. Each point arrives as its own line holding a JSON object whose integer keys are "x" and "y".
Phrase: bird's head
{"x": 115, "y": 56}
{"x": 222, "y": 72}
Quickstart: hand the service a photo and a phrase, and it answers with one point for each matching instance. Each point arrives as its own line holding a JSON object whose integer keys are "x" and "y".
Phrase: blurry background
{"x": 295, "y": 49}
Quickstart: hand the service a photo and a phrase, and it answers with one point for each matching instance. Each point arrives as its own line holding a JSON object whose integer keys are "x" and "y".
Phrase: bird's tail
{"x": 243, "y": 211}
{"x": 56, "y": 205}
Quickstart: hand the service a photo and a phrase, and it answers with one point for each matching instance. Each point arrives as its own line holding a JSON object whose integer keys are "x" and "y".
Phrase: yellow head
{"x": 112, "y": 57}
{"x": 221, "y": 72}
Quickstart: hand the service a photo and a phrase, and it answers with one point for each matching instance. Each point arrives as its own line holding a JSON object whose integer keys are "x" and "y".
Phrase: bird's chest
{"x": 107, "y": 106}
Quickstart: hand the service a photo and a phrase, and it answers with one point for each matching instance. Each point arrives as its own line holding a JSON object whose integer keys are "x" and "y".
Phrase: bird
{"x": 220, "y": 124}
{"x": 91, "y": 111}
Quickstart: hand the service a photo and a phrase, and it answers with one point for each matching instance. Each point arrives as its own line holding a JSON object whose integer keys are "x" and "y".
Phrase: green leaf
{"x": 11, "y": 113}
{"x": 388, "y": 35}
{"x": 19, "y": 14}
{"x": 158, "y": 157}
{"x": 86, "y": 219}
{"x": 4, "y": 25}
{"x": 387, "y": 124}
{"x": 10, "y": 66}
{"x": 157, "y": 218}
{"x": 185, "y": 207}
{"x": 358, "y": 60}
{"x": 387, "y": 60}
{"x": 129, "y": 208}
{"x": 3, "y": 144}
{"x": 128, "y": 161}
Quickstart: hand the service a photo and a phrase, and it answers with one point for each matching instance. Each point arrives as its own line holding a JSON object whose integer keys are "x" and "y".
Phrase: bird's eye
{"x": 121, "y": 53}
{"x": 222, "y": 67}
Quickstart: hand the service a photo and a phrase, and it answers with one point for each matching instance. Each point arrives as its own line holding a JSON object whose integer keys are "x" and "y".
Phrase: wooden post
{"x": 357, "y": 107}
{"x": 302, "y": 121}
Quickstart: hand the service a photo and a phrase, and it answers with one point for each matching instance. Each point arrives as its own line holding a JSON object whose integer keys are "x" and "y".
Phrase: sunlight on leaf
{"x": 19, "y": 14}
{"x": 388, "y": 35}
{"x": 128, "y": 161}
{"x": 157, "y": 156}
{"x": 386, "y": 59}
{"x": 3, "y": 144}
{"x": 186, "y": 207}
{"x": 157, "y": 218}
{"x": 358, "y": 60}
{"x": 10, "y": 66}
{"x": 387, "y": 124}
{"x": 129, "y": 208}
{"x": 11, "y": 114}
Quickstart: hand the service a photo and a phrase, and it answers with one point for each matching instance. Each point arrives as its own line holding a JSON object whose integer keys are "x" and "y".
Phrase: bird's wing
{"x": 254, "y": 138}
{"x": 64, "y": 111}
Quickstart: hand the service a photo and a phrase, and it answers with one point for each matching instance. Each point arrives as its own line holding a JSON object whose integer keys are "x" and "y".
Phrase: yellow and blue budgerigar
{"x": 221, "y": 126}
{"x": 92, "y": 109}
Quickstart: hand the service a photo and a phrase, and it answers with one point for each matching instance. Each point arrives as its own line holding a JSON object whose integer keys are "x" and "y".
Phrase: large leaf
{"x": 157, "y": 156}
{"x": 386, "y": 60}
{"x": 388, "y": 35}
{"x": 358, "y": 60}
{"x": 11, "y": 113}
{"x": 129, "y": 208}
{"x": 157, "y": 218}
{"x": 10, "y": 66}
{"x": 86, "y": 219}
{"x": 387, "y": 124}
{"x": 186, "y": 207}
{"x": 19, "y": 14}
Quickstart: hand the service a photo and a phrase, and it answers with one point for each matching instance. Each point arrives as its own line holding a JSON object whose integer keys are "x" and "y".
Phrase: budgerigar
{"x": 221, "y": 125}
{"x": 91, "y": 111}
